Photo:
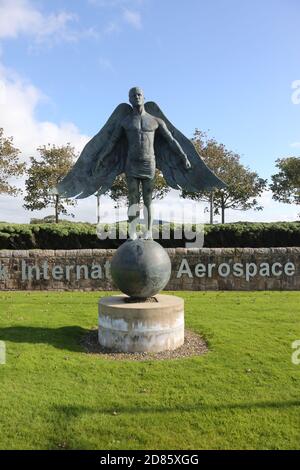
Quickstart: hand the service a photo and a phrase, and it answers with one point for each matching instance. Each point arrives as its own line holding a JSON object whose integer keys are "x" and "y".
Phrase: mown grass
{"x": 243, "y": 394}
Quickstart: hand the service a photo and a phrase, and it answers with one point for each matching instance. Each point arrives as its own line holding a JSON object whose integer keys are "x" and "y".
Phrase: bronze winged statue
{"x": 135, "y": 140}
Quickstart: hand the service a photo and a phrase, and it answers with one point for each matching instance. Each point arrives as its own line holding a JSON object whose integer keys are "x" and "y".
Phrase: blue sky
{"x": 225, "y": 66}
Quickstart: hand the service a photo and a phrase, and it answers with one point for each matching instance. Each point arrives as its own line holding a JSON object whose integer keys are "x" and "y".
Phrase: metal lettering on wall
{"x": 192, "y": 269}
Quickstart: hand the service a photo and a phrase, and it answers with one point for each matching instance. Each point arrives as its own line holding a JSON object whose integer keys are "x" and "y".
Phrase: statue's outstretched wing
{"x": 82, "y": 180}
{"x": 199, "y": 177}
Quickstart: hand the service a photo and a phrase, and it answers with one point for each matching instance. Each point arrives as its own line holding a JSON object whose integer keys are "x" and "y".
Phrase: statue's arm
{"x": 175, "y": 146}
{"x": 109, "y": 145}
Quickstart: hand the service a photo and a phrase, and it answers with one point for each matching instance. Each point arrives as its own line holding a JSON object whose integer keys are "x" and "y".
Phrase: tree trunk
{"x": 223, "y": 209}
{"x": 98, "y": 209}
{"x": 211, "y": 215}
{"x": 56, "y": 208}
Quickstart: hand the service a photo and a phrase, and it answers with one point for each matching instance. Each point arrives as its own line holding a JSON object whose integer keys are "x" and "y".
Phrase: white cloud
{"x": 295, "y": 145}
{"x": 19, "y": 17}
{"x": 115, "y": 3}
{"x": 273, "y": 211}
{"x": 111, "y": 28}
{"x": 133, "y": 18}
{"x": 127, "y": 13}
{"x": 18, "y": 101}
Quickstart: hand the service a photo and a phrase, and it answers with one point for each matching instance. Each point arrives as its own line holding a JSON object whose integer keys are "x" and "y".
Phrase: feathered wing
{"x": 82, "y": 180}
{"x": 199, "y": 177}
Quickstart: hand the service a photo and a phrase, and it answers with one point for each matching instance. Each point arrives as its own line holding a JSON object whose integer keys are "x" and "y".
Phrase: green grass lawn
{"x": 244, "y": 393}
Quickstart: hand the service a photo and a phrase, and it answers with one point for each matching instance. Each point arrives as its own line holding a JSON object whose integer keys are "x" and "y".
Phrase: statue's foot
{"x": 148, "y": 235}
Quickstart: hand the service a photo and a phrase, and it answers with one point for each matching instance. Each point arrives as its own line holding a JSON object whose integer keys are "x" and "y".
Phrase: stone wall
{"x": 192, "y": 269}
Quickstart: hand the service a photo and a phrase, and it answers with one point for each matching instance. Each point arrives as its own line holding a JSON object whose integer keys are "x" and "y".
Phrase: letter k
{"x": 3, "y": 273}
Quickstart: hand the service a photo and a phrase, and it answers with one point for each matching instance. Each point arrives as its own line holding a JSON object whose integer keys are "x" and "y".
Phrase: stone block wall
{"x": 192, "y": 269}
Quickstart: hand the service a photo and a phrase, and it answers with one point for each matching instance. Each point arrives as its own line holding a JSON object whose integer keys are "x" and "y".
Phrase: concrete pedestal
{"x": 141, "y": 326}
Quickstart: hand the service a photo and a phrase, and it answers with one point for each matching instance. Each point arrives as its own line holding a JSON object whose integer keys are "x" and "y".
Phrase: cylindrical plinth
{"x": 141, "y": 326}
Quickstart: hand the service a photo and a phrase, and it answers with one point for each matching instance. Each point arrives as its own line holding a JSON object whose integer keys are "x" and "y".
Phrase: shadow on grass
{"x": 75, "y": 411}
{"x": 66, "y": 337}
{"x": 65, "y": 414}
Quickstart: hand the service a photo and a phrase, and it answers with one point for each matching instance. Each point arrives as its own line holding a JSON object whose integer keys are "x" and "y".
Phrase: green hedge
{"x": 68, "y": 235}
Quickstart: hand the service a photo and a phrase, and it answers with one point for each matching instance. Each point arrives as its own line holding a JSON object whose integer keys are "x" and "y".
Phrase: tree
{"x": 44, "y": 174}
{"x": 286, "y": 183}
{"x": 243, "y": 185}
{"x": 10, "y": 165}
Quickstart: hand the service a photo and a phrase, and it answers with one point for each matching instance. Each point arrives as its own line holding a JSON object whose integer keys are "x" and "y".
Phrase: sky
{"x": 228, "y": 67}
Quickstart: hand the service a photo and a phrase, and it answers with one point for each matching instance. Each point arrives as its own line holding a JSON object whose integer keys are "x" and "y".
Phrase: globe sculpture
{"x": 141, "y": 268}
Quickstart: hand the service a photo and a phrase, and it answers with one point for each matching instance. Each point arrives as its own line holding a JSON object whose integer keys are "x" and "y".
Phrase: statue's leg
{"x": 133, "y": 185}
{"x": 147, "y": 187}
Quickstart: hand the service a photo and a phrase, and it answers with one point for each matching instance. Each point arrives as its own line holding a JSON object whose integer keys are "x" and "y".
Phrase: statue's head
{"x": 136, "y": 96}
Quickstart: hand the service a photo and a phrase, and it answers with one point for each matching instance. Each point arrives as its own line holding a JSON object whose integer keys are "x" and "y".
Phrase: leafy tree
{"x": 286, "y": 183}
{"x": 44, "y": 174}
{"x": 243, "y": 185}
{"x": 10, "y": 165}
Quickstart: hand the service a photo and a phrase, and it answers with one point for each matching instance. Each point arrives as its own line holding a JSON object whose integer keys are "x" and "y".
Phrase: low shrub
{"x": 70, "y": 235}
